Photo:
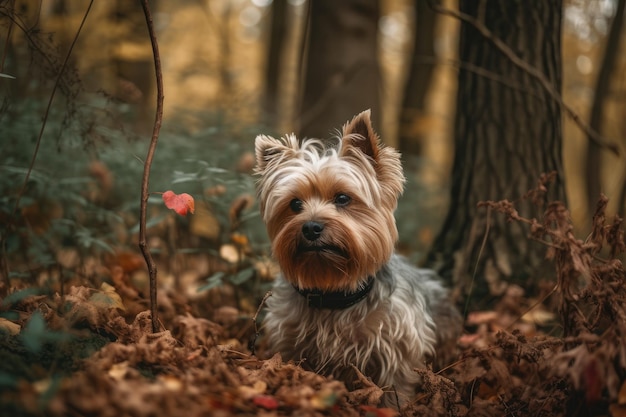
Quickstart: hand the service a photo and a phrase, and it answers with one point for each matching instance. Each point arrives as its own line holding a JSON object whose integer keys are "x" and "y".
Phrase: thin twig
{"x": 152, "y": 269}
{"x": 257, "y": 332}
{"x": 532, "y": 307}
{"x": 33, "y": 41}
{"x": 480, "y": 254}
{"x": 594, "y": 136}
{"x": 7, "y": 41}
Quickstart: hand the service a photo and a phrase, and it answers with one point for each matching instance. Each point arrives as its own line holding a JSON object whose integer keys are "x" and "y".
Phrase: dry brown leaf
{"x": 621, "y": 396}
{"x": 324, "y": 399}
{"x": 204, "y": 223}
{"x": 479, "y": 317}
{"x": 226, "y": 315}
{"x": 230, "y": 253}
{"x": 237, "y": 207}
{"x": 8, "y": 327}
{"x": 371, "y": 411}
{"x": 107, "y": 298}
{"x": 118, "y": 371}
{"x": 258, "y": 388}
{"x": 370, "y": 393}
{"x": 617, "y": 410}
{"x": 195, "y": 332}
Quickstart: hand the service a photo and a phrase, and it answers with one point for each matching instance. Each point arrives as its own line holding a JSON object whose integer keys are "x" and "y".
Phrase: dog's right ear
{"x": 268, "y": 149}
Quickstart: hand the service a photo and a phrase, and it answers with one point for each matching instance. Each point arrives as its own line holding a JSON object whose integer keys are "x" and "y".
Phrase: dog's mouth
{"x": 322, "y": 249}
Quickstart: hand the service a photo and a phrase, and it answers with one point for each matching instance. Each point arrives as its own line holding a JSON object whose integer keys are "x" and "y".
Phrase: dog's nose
{"x": 312, "y": 230}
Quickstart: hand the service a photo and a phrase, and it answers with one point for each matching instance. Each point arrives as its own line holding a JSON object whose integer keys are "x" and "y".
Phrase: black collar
{"x": 335, "y": 300}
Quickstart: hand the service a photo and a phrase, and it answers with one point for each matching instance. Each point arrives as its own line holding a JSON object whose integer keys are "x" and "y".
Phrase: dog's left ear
{"x": 358, "y": 133}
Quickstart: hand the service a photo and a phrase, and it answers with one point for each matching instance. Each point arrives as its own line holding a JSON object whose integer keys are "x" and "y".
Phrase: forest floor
{"x": 79, "y": 349}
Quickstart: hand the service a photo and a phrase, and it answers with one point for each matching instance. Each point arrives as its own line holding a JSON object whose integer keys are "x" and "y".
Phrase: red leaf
{"x": 372, "y": 411}
{"x": 266, "y": 401}
{"x": 180, "y": 203}
{"x": 593, "y": 382}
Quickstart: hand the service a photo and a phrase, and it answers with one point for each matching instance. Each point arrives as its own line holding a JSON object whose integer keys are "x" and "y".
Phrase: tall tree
{"x": 275, "y": 48}
{"x": 341, "y": 71}
{"x": 410, "y": 133}
{"x": 603, "y": 83}
{"x": 507, "y": 133}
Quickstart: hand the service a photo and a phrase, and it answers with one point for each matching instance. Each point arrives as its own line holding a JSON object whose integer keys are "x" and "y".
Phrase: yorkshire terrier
{"x": 344, "y": 299}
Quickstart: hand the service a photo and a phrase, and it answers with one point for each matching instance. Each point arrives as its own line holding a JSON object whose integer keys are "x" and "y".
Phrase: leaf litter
{"x": 91, "y": 351}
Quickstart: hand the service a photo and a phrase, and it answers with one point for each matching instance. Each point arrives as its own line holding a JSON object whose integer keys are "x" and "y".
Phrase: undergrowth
{"x": 578, "y": 372}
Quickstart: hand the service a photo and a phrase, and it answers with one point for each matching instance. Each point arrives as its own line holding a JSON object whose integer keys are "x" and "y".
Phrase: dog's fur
{"x": 329, "y": 214}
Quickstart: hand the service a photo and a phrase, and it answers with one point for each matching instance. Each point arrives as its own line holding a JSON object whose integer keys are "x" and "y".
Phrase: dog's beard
{"x": 322, "y": 250}
{"x": 341, "y": 260}
{"x": 321, "y": 264}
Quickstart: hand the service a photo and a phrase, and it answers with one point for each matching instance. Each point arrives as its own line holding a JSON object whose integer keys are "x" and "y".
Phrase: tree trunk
{"x": 410, "y": 134}
{"x": 507, "y": 133}
{"x": 340, "y": 64}
{"x": 603, "y": 83}
{"x": 278, "y": 31}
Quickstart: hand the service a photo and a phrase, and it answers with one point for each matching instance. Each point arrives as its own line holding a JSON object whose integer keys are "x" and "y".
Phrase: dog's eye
{"x": 296, "y": 205}
{"x": 342, "y": 200}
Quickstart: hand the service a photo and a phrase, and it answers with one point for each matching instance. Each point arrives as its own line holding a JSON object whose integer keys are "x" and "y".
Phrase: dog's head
{"x": 329, "y": 208}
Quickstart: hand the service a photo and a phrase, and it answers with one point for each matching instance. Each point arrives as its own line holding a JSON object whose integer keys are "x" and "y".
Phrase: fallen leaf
{"x": 324, "y": 399}
{"x": 230, "y": 253}
{"x": 204, "y": 223}
{"x": 8, "y": 327}
{"x": 180, "y": 203}
{"x": 266, "y": 401}
{"x": 372, "y": 411}
{"x": 593, "y": 382}
{"x": 368, "y": 392}
{"x": 480, "y": 317}
{"x": 238, "y": 206}
{"x": 118, "y": 370}
{"x": 215, "y": 191}
{"x": 226, "y": 315}
{"x": 107, "y": 298}
{"x": 42, "y": 385}
{"x": 256, "y": 390}
{"x": 621, "y": 397}
{"x": 170, "y": 382}
{"x": 617, "y": 410}
{"x": 539, "y": 316}
{"x": 240, "y": 240}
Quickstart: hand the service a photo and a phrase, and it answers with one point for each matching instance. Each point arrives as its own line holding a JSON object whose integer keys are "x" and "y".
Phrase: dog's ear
{"x": 267, "y": 149}
{"x": 359, "y": 133}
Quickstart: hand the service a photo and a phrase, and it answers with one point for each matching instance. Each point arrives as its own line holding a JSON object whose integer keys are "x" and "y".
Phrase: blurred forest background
{"x": 234, "y": 69}
{"x": 482, "y": 98}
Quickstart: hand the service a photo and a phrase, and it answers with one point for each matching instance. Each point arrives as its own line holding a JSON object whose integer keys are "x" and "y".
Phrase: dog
{"x": 344, "y": 299}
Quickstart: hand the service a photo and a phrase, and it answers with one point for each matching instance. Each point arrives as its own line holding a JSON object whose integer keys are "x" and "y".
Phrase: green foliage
{"x": 18, "y": 296}
{"x": 220, "y": 278}
{"x": 36, "y": 334}
{"x": 65, "y": 205}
